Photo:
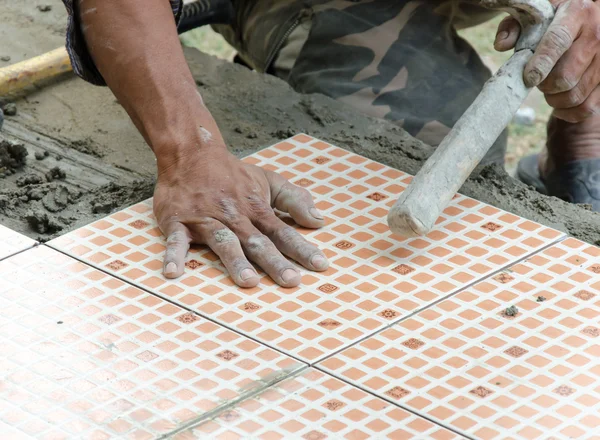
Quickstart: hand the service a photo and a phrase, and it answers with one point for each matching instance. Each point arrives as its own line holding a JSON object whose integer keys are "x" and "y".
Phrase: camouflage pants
{"x": 398, "y": 60}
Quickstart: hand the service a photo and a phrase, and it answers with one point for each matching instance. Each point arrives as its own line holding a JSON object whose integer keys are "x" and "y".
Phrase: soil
{"x": 83, "y": 124}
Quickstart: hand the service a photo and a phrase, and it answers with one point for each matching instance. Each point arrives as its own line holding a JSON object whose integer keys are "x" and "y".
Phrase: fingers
{"x": 558, "y": 39}
{"x": 295, "y": 201}
{"x": 578, "y": 94}
{"x": 292, "y": 244}
{"x": 262, "y": 251}
{"x": 570, "y": 69}
{"x": 178, "y": 244}
{"x": 507, "y": 34}
{"x": 589, "y": 107}
{"x": 226, "y": 245}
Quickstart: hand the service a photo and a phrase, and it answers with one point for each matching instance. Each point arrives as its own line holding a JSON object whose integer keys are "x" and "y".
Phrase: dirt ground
{"x": 98, "y": 163}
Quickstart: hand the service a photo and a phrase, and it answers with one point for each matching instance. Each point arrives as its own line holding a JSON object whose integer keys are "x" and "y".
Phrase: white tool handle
{"x": 431, "y": 190}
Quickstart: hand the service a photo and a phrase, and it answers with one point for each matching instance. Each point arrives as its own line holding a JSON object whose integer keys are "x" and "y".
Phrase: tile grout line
{"x": 170, "y": 301}
{"x": 36, "y": 244}
{"x": 436, "y": 302}
{"x": 244, "y": 396}
{"x": 415, "y": 412}
{"x": 249, "y": 394}
{"x": 254, "y": 392}
{"x": 215, "y": 412}
{"x": 319, "y": 360}
{"x": 273, "y": 380}
{"x": 407, "y": 409}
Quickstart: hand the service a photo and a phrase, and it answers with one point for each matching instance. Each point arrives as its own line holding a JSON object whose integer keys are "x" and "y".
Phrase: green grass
{"x": 208, "y": 41}
{"x": 522, "y": 140}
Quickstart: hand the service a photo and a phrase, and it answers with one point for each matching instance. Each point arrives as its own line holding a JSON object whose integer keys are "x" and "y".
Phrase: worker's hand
{"x": 208, "y": 196}
{"x": 566, "y": 64}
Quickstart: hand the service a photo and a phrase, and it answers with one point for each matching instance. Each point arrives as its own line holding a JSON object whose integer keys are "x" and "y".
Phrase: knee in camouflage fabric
{"x": 397, "y": 60}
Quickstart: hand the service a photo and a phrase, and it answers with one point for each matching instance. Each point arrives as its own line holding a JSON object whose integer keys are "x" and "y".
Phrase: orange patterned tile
{"x": 85, "y": 355}
{"x": 316, "y": 406}
{"x": 514, "y": 356}
{"x": 375, "y": 277}
{"x": 12, "y": 242}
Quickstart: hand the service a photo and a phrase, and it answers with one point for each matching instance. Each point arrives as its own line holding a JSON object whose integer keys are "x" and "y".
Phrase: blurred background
{"x": 527, "y": 133}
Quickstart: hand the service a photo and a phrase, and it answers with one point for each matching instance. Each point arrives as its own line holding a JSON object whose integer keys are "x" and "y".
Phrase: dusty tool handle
{"x": 23, "y": 75}
{"x": 430, "y": 192}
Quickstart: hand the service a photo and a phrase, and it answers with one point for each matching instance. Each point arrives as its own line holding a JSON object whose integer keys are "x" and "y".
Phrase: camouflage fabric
{"x": 398, "y": 60}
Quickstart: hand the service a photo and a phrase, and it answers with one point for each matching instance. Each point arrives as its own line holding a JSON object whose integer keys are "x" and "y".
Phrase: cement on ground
{"x": 87, "y": 127}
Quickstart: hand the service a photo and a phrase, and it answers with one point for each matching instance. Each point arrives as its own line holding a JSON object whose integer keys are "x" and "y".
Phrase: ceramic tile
{"x": 12, "y": 242}
{"x": 316, "y": 406}
{"x": 375, "y": 277}
{"x": 85, "y": 355}
{"x": 476, "y": 365}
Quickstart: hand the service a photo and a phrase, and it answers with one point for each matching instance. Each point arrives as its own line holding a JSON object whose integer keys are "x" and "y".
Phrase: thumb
{"x": 507, "y": 34}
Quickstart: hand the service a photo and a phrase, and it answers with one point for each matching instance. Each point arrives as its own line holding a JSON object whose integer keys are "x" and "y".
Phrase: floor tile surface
{"x": 375, "y": 278}
{"x": 85, "y": 355}
{"x": 491, "y": 372}
{"x": 12, "y": 242}
{"x": 316, "y": 406}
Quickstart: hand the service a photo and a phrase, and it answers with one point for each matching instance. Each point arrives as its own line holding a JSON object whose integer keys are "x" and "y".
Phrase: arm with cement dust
{"x": 203, "y": 193}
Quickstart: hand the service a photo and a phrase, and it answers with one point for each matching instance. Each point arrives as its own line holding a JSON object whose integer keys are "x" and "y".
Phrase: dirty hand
{"x": 208, "y": 196}
{"x": 566, "y": 64}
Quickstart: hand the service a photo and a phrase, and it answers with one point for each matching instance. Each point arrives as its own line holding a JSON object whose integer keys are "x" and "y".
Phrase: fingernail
{"x": 534, "y": 78}
{"x": 316, "y": 214}
{"x": 171, "y": 268}
{"x": 503, "y": 35}
{"x": 247, "y": 274}
{"x": 288, "y": 275}
{"x": 319, "y": 262}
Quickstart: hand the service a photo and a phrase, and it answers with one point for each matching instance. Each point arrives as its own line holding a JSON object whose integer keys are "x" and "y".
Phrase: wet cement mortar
{"x": 255, "y": 111}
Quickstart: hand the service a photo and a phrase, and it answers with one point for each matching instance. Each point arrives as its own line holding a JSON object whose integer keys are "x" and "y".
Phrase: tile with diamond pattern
{"x": 514, "y": 356}
{"x": 375, "y": 278}
{"x": 85, "y": 355}
{"x": 316, "y": 406}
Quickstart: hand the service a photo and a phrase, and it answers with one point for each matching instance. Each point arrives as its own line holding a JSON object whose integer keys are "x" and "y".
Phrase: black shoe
{"x": 576, "y": 182}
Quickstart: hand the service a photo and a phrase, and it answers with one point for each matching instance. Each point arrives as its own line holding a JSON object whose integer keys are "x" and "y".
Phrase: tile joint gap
{"x": 316, "y": 364}
{"x": 249, "y": 394}
{"x": 436, "y": 302}
{"x": 408, "y": 409}
{"x": 181, "y": 306}
{"x": 33, "y": 246}
{"x": 480, "y": 280}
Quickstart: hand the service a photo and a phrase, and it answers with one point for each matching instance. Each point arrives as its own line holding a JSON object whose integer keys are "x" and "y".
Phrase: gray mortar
{"x": 253, "y": 111}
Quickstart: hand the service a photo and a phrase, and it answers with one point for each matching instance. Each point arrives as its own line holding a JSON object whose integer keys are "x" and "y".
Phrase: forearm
{"x": 135, "y": 46}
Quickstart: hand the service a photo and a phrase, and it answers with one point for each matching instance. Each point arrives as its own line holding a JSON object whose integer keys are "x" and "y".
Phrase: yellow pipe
{"x": 24, "y": 75}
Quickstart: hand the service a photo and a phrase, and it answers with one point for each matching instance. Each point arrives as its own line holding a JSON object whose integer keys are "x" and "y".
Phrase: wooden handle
{"x": 430, "y": 192}
{"x": 18, "y": 77}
